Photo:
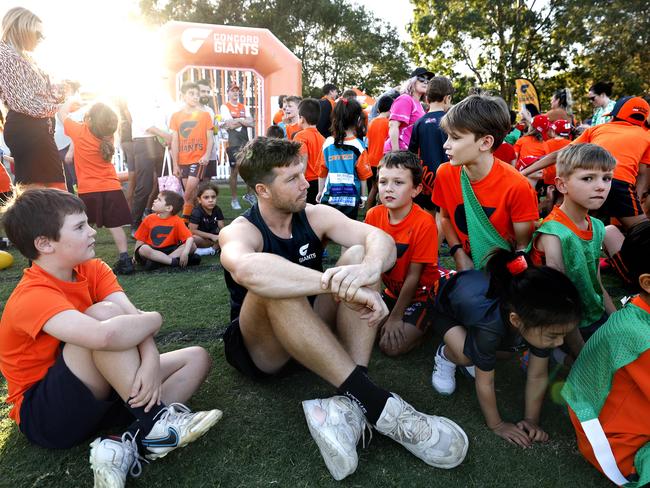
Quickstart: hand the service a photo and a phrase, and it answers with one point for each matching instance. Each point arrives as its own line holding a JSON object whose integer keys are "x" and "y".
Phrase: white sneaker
{"x": 336, "y": 424}
{"x": 177, "y": 426}
{"x": 111, "y": 460}
{"x": 437, "y": 441}
{"x": 443, "y": 377}
{"x": 205, "y": 251}
{"x": 235, "y": 205}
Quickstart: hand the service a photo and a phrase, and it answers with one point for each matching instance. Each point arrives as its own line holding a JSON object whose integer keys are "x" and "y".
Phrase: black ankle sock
{"x": 144, "y": 422}
{"x": 364, "y": 369}
{"x": 359, "y": 388}
{"x": 176, "y": 262}
{"x": 124, "y": 256}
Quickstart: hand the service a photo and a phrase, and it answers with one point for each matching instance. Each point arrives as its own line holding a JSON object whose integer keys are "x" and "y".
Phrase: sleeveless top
{"x": 303, "y": 248}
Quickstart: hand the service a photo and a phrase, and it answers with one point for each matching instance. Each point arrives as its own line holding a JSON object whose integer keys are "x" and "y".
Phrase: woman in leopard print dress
{"x": 32, "y": 102}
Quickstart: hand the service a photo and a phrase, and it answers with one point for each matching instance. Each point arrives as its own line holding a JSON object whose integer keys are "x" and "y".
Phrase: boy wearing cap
{"x": 237, "y": 120}
{"x": 627, "y": 139}
{"x": 474, "y": 217}
{"x": 570, "y": 241}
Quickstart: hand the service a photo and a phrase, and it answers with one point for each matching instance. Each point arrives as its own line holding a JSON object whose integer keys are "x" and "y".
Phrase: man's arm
{"x": 160, "y": 133}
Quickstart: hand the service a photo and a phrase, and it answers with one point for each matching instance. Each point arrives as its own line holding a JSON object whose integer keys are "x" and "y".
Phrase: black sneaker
{"x": 124, "y": 267}
{"x": 150, "y": 265}
{"x": 193, "y": 260}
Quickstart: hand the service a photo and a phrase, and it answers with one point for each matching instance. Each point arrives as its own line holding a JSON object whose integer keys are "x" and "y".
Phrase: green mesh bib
{"x": 483, "y": 237}
{"x": 623, "y": 338}
{"x": 580, "y": 264}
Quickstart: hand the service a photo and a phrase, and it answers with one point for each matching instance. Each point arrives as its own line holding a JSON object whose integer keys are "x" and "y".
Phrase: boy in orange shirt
{"x": 608, "y": 389}
{"x": 409, "y": 282}
{"x": 377, "y": 135}
{"x": 163, "y": 237}
{"x": 291, "y": 122}
{"x": 502, "y": 205}
{"x": 191, "y": 144}
{"x": 311, "y": 151}
{"x": 77, "y": 354}
{"x": 570, "y": 241}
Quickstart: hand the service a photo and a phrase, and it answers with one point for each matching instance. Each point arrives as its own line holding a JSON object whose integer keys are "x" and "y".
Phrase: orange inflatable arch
{"x": 252, "y": 58}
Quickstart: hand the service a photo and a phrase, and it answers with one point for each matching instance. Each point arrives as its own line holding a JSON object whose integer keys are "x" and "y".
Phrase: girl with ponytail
{"x": 97, "y": 182}
{"x": 511, "y": 306}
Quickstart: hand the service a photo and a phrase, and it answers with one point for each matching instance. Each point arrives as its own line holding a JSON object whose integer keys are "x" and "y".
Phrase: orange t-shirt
{"x": 159, "y": 232}
{"x": 629, "y": 144}
{"x": 505, "y": 195}
{"x": 554, "y": 144}
{"x": 5, "y": 179}
{"x": 279, "y": 115}
{"x": 558, "y": 215}
{"x": 192, "y": 132}
{"x": 94, "y": 174}
{"x": 26, "y": 352}
{"x": 626, "y": 427}
{"x": 416, "y": 238}
{"x": 530, "y": 146}
{"x": 377, "y": 135}
{"x": 292, "y": 129}
{"x": 312, "y": 145}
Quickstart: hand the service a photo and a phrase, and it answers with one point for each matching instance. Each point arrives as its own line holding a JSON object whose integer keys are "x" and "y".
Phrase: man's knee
{"x": 353, "y": 255}
{"x": 104, "y": 310}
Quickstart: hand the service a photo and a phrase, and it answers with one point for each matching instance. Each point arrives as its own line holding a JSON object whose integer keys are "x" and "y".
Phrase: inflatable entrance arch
{"x": 254, "y": 59}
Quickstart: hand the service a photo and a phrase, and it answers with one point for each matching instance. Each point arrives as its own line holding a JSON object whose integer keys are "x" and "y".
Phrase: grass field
{"x": 263, "y": 441}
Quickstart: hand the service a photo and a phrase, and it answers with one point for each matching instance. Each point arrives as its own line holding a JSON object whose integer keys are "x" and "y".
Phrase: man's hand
{"x": 344, "y": 281}
{"x": 146, "y": 390}
{"x": 535, "y": 433}
{"x": 370, "y": 304}
{"x": 392, "y": 335}
{"x": 513, "y": 434}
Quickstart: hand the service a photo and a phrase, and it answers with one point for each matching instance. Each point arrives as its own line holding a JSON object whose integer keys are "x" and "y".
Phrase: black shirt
{"x": 205, "y": 221}
{"x": 427, "y": 140}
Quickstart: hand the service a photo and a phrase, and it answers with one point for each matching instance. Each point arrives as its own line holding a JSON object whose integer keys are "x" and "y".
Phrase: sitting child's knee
{"x": 353, "y": 255}
{"x": 201, "y": 357}
{"x": 104, "y": 310}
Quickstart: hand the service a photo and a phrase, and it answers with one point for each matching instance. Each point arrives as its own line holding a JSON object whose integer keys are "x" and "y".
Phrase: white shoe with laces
{"x": 235, "y": 205}
{"x": 437, "y": 441}
{"x": 205, "y": 251}
{"x": 112, "y": 460}
{"x": 336, "y": 424}
{"x": 176, "y": 426}
{"x": 443, "y": 377}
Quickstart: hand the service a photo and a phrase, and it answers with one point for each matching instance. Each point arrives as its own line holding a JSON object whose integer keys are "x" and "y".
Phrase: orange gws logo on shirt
{"x": 159, "y": 233}
{"x": 186, "y": 128}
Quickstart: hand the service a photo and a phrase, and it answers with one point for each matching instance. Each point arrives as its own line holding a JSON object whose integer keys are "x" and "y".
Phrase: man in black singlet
{"x": 285, "y": 308}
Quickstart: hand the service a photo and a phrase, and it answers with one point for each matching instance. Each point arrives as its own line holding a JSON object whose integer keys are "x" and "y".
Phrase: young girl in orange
{"x": 97, "y": 182}
{"x": 534, "y": 142}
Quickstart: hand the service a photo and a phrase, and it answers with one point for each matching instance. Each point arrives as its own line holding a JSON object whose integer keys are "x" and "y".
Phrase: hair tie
{"x": 517, "y": 265}
{"x": 344, "y": 100}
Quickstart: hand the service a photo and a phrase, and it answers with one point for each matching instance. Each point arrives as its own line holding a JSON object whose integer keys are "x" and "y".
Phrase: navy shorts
{"x": 196, "y": 170}
{"x": 416, "y": 314}
{"x": 232, "y": 153}
{"x": 60, "y": 412}
{"x": 166, "y": 250}
{"x": 622, "y": 201}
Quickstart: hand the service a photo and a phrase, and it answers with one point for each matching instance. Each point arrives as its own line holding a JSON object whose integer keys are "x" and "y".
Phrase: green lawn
{"x": 263, "y": 440}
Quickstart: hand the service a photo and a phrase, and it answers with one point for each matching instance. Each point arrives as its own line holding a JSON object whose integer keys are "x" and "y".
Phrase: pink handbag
{"x": 169, "y": 181}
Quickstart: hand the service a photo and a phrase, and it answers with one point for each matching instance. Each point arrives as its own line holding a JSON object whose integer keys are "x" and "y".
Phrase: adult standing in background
{"x": 32, "y": 102}
{"x": 599, "y": 94}
{"x": 561, "y": 104}
{"x": 406, "y": 110}
{"x": 330, "y": 94}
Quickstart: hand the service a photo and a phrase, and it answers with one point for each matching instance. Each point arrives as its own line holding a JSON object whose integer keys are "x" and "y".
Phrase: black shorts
{"x": 60, "y": 412}
{"x": 239, "y": 358}
{"x": 232, "y": 153}
{"x": 107, "y": 208}
{"x": 416, "y": 314}
{"x": 312, "y": 191}
{"x": 166, "y": 250}
{"x": 196, "y": 170}
{"x": 622, "y": 201}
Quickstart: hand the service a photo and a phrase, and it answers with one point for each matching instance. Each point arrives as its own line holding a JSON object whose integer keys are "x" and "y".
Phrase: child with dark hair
{"x": 206, "y": 220}
{"x": 512, "y": 307}
{"x": 345, "y": 168}
{"x": 608, "y": 389}
{"x": 163, "y": 237}
{"x": 599, "y": 94}
{"x": 97, "y": 182}
{"x": 311, "y": 141}
{"x": 275, "y": 131}
{"x": 411, "y": 280}
{"x": 377, "y": 134}
{"x": 78, "y": 356}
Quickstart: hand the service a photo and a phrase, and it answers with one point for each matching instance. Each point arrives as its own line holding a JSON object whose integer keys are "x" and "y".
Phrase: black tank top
{"x": 303, "y": 248}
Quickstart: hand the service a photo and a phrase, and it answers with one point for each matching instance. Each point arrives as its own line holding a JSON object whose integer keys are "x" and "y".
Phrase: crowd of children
{"x": 434, "y": 184}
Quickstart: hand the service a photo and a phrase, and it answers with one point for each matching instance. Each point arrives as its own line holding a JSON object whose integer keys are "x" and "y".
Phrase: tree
{"x": 335, "y": 41}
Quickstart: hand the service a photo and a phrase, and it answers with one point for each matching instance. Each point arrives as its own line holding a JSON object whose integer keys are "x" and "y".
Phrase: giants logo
{"x": 193, "y": 38}
{"x": 303, "y": 254}
{"x": 159, "y": 234}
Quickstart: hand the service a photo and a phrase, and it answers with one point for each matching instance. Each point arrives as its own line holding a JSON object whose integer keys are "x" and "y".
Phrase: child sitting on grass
{"x": 78, "y": 356}
{"x": 608, "y": 389}
{"x": 163, "y": 238}
{"x": 409, "y": 282}
{"x": 206, "y": 220}
{"x": 570, "y": 241}
{"x": 512, "y": 307}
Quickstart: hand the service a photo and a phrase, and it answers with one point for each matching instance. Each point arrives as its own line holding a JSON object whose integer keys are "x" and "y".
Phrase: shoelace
{"x": 136, "y": 466}
{"x": 364, "y": 427}
{"x": 173, "y": 410}
{"x": 411, "y": 426}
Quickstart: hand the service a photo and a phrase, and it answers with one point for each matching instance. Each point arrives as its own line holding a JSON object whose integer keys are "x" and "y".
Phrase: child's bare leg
{"x": 411, "y": 338}
{"x": 184, "y": 371}
{"x": 119, "y": 236}
{"x": 613, "y": 240}
{"x": 179, "y": 250}
{"x": 203, "y": 242}
{"x": 148, "y": 252}
{"x": 454, "y": 341}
